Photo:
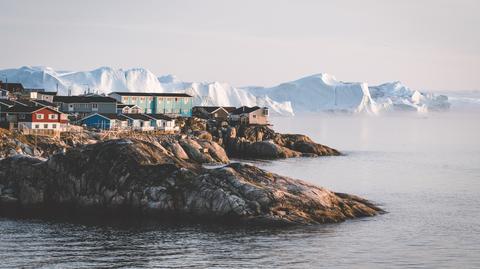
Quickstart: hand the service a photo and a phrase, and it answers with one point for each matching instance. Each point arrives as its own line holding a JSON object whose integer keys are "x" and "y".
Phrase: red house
{"x": 36, "y": 120}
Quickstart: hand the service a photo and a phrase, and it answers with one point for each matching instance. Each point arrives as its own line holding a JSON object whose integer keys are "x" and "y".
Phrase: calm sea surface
{"x": 424, "y": 170}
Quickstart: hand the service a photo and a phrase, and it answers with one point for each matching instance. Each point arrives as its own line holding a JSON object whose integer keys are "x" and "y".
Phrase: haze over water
{"x": 423, "y": 169}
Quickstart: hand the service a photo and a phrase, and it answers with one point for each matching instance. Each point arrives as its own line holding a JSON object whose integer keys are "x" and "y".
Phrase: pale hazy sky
{"x": 429, "y": 44}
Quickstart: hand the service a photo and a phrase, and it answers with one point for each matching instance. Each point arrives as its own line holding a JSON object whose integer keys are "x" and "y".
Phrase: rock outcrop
{"x": 261, "y": 142}
{"x": 130, "y": 175}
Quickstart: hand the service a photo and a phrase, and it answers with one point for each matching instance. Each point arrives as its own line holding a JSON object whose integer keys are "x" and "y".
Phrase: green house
{"x": 175, "y": 104}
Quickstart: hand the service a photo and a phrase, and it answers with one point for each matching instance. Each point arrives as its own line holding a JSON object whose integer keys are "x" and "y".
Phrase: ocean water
{"x": 423, "y": 169}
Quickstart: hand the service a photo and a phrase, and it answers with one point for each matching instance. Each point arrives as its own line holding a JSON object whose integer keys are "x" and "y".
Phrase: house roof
{"x": 8, "y": 103}
{"x": 110, "y": 116}
{"x": 211, "y": 109}
{"x": 137, "y": 117}
{"x": 44, "y": 103}
{"x": 159, "y": 117}
{"x": 46, "y": 93}
{"x": 83, "y": 99}
{"x": 11, "y": 87}
{"x": 26, "y": 109}
{"x": 165, "y": 94}
{"x": 125, "y": 105}
{"x": 244, "y": 109}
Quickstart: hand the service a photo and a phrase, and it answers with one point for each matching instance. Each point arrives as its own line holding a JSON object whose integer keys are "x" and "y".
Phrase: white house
{"x": 162, "y": 122}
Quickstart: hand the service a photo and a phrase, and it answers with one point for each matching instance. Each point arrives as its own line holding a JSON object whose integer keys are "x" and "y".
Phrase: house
{"x": 84, "y": 105}
{"x": 219, "y": 113}
{"x": 3, "y": 94}
{"x": 13, "y": 90}
{"x": 162, "y": 122}
{"x": 139, "y": 122}
{"x": 128, "y": 109}
{"x": 4, "y": 105}
{"x": 250, "y": 115}
{"x": 175, "y": 104}
{"x": 104, "y": 121}
{"x": 35, "y": 120}
{"x": 39, "y": 94}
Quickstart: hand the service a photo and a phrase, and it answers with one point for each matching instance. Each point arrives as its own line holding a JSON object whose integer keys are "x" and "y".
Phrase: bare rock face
{"x": 133, "y": 175}
{"x": 263, "y": 143}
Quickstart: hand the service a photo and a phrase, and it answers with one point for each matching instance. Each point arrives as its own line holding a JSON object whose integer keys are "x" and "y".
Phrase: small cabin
{"x": 219, "y": 113}
{"x": 139, "y": 122}
{"x": 162, "y": 122}
{"x": 103, "y": 121}
{"x": 250, "y": 115}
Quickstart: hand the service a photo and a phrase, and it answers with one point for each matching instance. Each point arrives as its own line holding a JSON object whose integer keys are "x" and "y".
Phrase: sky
{"x": 427, "y": 44}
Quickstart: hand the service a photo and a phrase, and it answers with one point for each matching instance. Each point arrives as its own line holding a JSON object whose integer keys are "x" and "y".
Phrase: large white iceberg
{"x": 316, "y": 93}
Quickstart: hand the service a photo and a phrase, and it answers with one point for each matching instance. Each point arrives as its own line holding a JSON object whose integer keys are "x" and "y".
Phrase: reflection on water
{"x": 425, "y": 171}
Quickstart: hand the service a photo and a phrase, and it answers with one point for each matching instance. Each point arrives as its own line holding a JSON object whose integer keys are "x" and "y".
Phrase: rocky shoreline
{"x": 162, "y": 177}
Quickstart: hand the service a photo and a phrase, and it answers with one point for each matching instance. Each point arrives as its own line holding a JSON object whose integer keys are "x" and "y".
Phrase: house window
{"x": 95, "y": 107}
{"x": 21, "y": 116}
{"x": 185, "y": 100}
{"x": 142, "y": 99}
{"x": 176, "y": 99}
{"x": 36, "y": 126}
{"x": 134, "y": 99}
{"x": 254, "y": 116}
{"x": 39, "y": 116}
{"x": 53, "y": 116}
{"x": 54, "y": 126}
{"x": 150, "y": 98}
{"x": 45, "y": 126}
{"x": 124, "y": 99}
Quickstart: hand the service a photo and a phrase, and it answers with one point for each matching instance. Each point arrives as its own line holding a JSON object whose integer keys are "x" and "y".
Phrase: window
{"x": 185, "y": 100}
{"x": 21, "y": 116}
{"x": 54, "y": 126}
{"x": 142, "y": 99}
{"x": 36, "y": 126}
{"x": 95, "y": 107}
{"x": 53, "y": 116}
{"x": 124, "y": 99}
{"x": 134, "y": 99}
{"x": 176, "y": 99}
{"x": 150, "y": 98}
{"x": 45, "y": 126}
{"x": 39, "y": 116}
{"x": 254, "y": 116}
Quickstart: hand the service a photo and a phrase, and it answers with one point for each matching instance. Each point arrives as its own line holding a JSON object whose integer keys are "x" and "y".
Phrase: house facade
{"x": 162, "y": 122}
{"x": 250, "y": 115}
{"x": 36, "y": 120}
{"x": 105, "y": 121}
{"x": 11, "y": 90}
{"x": 139, "y": 122}
{"x": 128, "y": 109}
{"x": 85, "y": 105}
{"x": 42, "y": 95}
{"x": 219, "y": 113}
{"x": 175, "y": 104}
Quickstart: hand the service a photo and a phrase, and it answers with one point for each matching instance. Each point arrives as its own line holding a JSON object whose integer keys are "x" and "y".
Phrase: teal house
{"x": 174, "y": 104}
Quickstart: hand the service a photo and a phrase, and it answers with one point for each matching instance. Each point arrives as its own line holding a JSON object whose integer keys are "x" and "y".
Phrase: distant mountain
{"x": 316, "y": 93}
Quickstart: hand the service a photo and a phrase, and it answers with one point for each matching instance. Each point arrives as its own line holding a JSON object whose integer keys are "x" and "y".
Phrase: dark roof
{"x": 244, "y": 109}
{"x": 112, "y": 116}
{"x": 47, "y": 93}
{"x": 166, "y": 94}
{"x": 24, "y": 102}
{"x": 11, "y": 87}
{"x": 7, "y": 102}
{"x": 159, "y": 117}
{"x": 211, "y": 109}
{"x": 83, "y": 99}
{"x": 124, "y": 105}
{"x": 22, "y": 109}
{"x": 44, "y": 103}
{"x": 137, "y": 117}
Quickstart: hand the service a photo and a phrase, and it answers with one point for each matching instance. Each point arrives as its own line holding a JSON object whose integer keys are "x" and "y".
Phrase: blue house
{"x": 105, "y": 121}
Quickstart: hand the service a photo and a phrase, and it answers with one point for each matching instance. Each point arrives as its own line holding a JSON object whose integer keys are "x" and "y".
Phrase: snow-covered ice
{"x": 316, "y": 93}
